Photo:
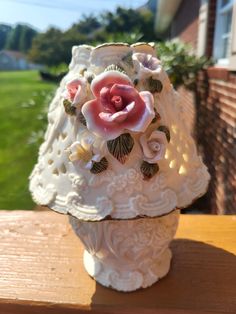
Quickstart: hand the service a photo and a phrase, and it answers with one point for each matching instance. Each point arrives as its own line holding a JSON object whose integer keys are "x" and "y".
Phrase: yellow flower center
{"x": 83, "y": 154}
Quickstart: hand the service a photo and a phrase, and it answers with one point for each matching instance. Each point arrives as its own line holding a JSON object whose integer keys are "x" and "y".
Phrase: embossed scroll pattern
{"x": 119, "y": 253}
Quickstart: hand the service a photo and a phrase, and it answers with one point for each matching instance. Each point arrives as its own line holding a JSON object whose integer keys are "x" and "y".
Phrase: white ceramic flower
{"x": 146, "y": 65}
{"x": 154, "y": 146}
{"x": 86, "y": 150}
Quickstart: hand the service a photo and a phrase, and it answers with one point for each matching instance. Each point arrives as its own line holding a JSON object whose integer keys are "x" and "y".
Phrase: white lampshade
{"x": 117, "y": 145}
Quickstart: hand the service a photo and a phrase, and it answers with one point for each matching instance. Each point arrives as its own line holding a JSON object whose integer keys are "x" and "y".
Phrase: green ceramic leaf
{"x": 69, "y": 109}
{"x": 155, "y": 86}
{"x": 82, "y": 119}
{"x": 148, "y": 170}
{"x": 165, "y": 129}
{"x": 128, "y": 59}
{"x": 157, "y": 116}
{"x": 99, "y": 166}
{"x": 121, "y": 147}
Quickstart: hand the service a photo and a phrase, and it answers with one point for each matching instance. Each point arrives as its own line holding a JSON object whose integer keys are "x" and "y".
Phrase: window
{"x": 223, "y": 31}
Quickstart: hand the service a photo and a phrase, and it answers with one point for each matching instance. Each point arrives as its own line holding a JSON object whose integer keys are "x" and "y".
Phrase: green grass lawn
{"x": 23, "y": 104}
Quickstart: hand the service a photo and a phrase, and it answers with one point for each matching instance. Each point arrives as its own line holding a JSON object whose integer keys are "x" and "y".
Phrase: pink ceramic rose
{"x": 117, "y": 106}
{"x": 154, "y": 146}
{"x": 76, "y": 91}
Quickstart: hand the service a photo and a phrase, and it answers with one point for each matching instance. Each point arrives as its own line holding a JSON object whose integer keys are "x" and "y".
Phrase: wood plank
{"x": 42, "y": 271}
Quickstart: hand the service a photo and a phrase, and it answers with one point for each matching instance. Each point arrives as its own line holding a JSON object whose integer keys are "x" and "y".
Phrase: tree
{"x": 47, "y": 48}
{"x": 4, "y": 33}
{"x": 20, "y": 38}
{"x": 26, "y": 38}
{"x": 88, "y": 24}
{"x": 130, "y": 21}
{"x": 71, "y": 38}
{"x": 54, "y": 47}
{"x": 13, "y": 41}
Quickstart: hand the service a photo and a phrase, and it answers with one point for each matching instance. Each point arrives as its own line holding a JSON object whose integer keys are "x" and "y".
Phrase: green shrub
{"x": 180, "y": 63}
{"x": 58, "y": 69}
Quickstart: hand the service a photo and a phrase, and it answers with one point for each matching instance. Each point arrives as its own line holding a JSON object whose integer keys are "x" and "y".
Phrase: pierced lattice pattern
{"x": 120, "y": 191}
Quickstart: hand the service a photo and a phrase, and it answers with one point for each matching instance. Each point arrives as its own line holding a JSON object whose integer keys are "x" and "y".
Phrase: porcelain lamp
{"x": 119, "y": 159}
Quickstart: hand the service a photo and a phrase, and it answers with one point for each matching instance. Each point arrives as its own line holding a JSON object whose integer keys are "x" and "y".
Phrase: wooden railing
{"x": 41, "y": 269}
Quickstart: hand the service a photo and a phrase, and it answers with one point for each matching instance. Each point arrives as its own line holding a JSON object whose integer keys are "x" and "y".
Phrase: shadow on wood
{"x": 202, "y": 278}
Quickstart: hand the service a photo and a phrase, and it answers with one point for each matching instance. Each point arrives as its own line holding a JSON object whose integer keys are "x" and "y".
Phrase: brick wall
{"x": 216, "y": 135}
{"x": 211, "y": 113}
{"x": 185, "y": 23}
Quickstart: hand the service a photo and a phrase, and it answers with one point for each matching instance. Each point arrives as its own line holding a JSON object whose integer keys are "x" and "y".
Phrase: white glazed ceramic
{"x": 120, "y": 191}
{"x": 127, "y": 254}
{"x": 118, "y": 147}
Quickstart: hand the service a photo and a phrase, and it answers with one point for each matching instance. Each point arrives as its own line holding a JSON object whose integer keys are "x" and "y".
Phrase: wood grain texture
{"x": 42, "y": 270}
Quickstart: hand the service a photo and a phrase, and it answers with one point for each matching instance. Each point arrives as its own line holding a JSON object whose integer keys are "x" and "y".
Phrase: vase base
{"x": 127, "y": 280}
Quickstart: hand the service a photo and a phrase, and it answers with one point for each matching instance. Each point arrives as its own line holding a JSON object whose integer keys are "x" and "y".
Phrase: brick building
{"x": 210, "y": 27}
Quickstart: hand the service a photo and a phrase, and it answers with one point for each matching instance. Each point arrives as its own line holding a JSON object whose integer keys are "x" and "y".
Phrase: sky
{"x": 60, "y": 13}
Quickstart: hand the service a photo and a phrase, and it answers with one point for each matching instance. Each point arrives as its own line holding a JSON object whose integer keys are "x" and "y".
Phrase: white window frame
{"x": 202, "y": 28}
{"x": 232, "y": 59}
{"x": 219, "y": 34}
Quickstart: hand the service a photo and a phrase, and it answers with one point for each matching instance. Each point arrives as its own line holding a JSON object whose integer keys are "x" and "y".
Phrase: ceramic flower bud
{"x": 154, "y": 146}
{"x": 75, "y": 91}
{"x": 119, "y": 159}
